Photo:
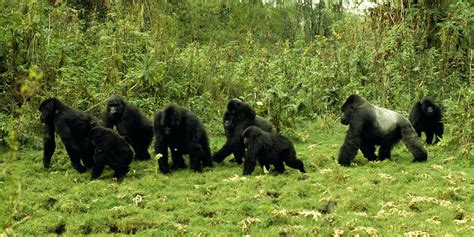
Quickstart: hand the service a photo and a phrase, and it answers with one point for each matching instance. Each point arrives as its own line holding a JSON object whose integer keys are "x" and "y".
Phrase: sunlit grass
{"x": 384, "y": 198}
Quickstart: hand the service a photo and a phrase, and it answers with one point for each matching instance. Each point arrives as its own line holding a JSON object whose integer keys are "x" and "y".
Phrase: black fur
{"x": 110, "y": 149}
{"x": 73, "y": 127}
{"x": 426, "y": 117}
{"x": 181, "y": 131}
{"x": 237, "y": 118}
{"x": 131, "y": 124}
{"x": 369, "y": 126}
{"x": 269, "y": 149}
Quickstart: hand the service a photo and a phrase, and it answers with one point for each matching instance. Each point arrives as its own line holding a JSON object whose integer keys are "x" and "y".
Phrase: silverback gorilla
{"x": 73, "y": 127}
{"x": 110, "y": 149}
{"x": 180, "y": 130}
{"x": 426, "y": 117}
{"x": 269, "y": 149}
{"x": 238, "y": 116}
{"x": 131, "y": 124}
{"x": 371, "y": 125}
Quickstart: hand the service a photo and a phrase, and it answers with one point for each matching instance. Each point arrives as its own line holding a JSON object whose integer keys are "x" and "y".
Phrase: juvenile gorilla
{"x": 73, "y": 127}
{"x": 237, "y": 118}
{"x": 426, "y": 117}
{"x": 112, "y": 150}
{"x": 131, "y": 124}
{"x": 181, "y": 131}
{"x": 371, "y": 125}
{"x": 269, "y": 149}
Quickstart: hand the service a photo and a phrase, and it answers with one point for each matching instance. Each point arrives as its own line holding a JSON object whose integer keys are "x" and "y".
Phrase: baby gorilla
{"x": 112, "y": 150}
{"x": 426, "y": 117}
{"x": 269, "y": 148}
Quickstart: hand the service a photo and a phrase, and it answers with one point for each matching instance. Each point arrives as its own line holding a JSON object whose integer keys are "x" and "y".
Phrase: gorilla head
{"x": 371, "y": 125}
{"x": 47, "y": 109}
{"x": 427, "y": 105}
{"x": 115, "y": 107}
{"x": 171, "y": 119}
{"x": 348, "y": 108}
{"x": 241, "y": 110}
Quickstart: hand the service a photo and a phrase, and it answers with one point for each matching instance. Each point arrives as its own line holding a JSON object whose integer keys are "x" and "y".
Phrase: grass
{"x": 394, "y": 197}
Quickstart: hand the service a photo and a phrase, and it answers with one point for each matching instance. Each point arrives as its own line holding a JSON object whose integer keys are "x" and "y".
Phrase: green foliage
{"x": 395, "y": 197}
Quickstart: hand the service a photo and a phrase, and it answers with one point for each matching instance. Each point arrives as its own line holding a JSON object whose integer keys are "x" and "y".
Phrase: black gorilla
{"x": 237, "y": 118}
{"x": 73, "y": 127}
{"x": 426, "y": 117}
{"x": 110, "y": 149}
{"x": 181, "y": 131}
{"x": 131, "y": 124}
{"x": 269, "y": 149}
{"x": 371, "y": 125}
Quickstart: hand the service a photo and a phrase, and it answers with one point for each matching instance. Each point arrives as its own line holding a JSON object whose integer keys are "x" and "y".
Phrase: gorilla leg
{"x": 141, "y": 153}
{"x": 120, "y": 172}
{"x": 385, "y": 151}
{"x": 196, "y": 156}
{"x": 163, "y": 161}
{"x": 206, "y": 154}
{"x": 412, "y": 143}
{"x": 178, "y": 161}
{"x": 438, "y": 130}
{"x": 429, "y": 137}
{"x": 99, "y": 165}
{"x": 279, "y": 167}
{"x": 368, "y": 150}
{"x": 76, "y": 164}
{"x": 88, "y": 158}
{"x": 249, "y": 166}
{"x": 239, "y": 153}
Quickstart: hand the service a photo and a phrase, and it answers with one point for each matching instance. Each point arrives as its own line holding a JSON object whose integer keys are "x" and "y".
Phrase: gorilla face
{"x": 346, "y": 115}
{"x": 171, "y": 120}
{"x": 348, "y": 108}
{"x": 427, "y": 105}
{"x": 115, "y": 106}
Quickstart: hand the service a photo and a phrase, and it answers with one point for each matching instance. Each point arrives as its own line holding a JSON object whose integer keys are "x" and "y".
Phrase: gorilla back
{"x": 371, "y": 125}
{"x": 73, "y": 127}
{"x": 112, "y": 150}
{"x": 131, "y": 124}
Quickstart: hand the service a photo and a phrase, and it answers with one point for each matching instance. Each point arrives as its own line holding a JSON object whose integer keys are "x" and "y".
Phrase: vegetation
{"x": 293, "y": 62}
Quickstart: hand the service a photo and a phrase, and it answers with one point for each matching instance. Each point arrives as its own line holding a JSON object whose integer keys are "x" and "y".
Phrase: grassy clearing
{"x": 385, "y": 198}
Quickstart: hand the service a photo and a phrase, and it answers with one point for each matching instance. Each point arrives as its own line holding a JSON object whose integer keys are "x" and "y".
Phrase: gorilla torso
{"x": 382, "y": 127}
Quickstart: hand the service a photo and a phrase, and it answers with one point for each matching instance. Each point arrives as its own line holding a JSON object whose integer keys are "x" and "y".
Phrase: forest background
{"x": 294, "y": 61}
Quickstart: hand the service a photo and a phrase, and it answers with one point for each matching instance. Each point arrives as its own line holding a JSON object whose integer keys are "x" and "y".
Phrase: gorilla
{"x": 238, "y": 116}
{"x": 269, "y": 149}
{"x": 370, "y": 125}
{"x": 131, "y": 124}
{"x": 110, "y": 149}
{"x": 73, "y": 127}
{"x": 181, "y": 131}
{"x": 426, "y": 117}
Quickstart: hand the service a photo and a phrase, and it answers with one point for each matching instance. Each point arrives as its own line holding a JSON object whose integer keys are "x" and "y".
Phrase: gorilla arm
{"x": 71, "y": 145}
{"x": 351, "y": 145}
{"x": 49, "y": 143}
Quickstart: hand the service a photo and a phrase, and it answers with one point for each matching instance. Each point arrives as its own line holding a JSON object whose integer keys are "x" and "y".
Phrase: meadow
{"x": 295, "y": 62}
{"x": 386, "y": 198}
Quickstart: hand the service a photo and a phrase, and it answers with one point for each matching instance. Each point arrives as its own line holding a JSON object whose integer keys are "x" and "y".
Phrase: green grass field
{"x": 387, "y": 198}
